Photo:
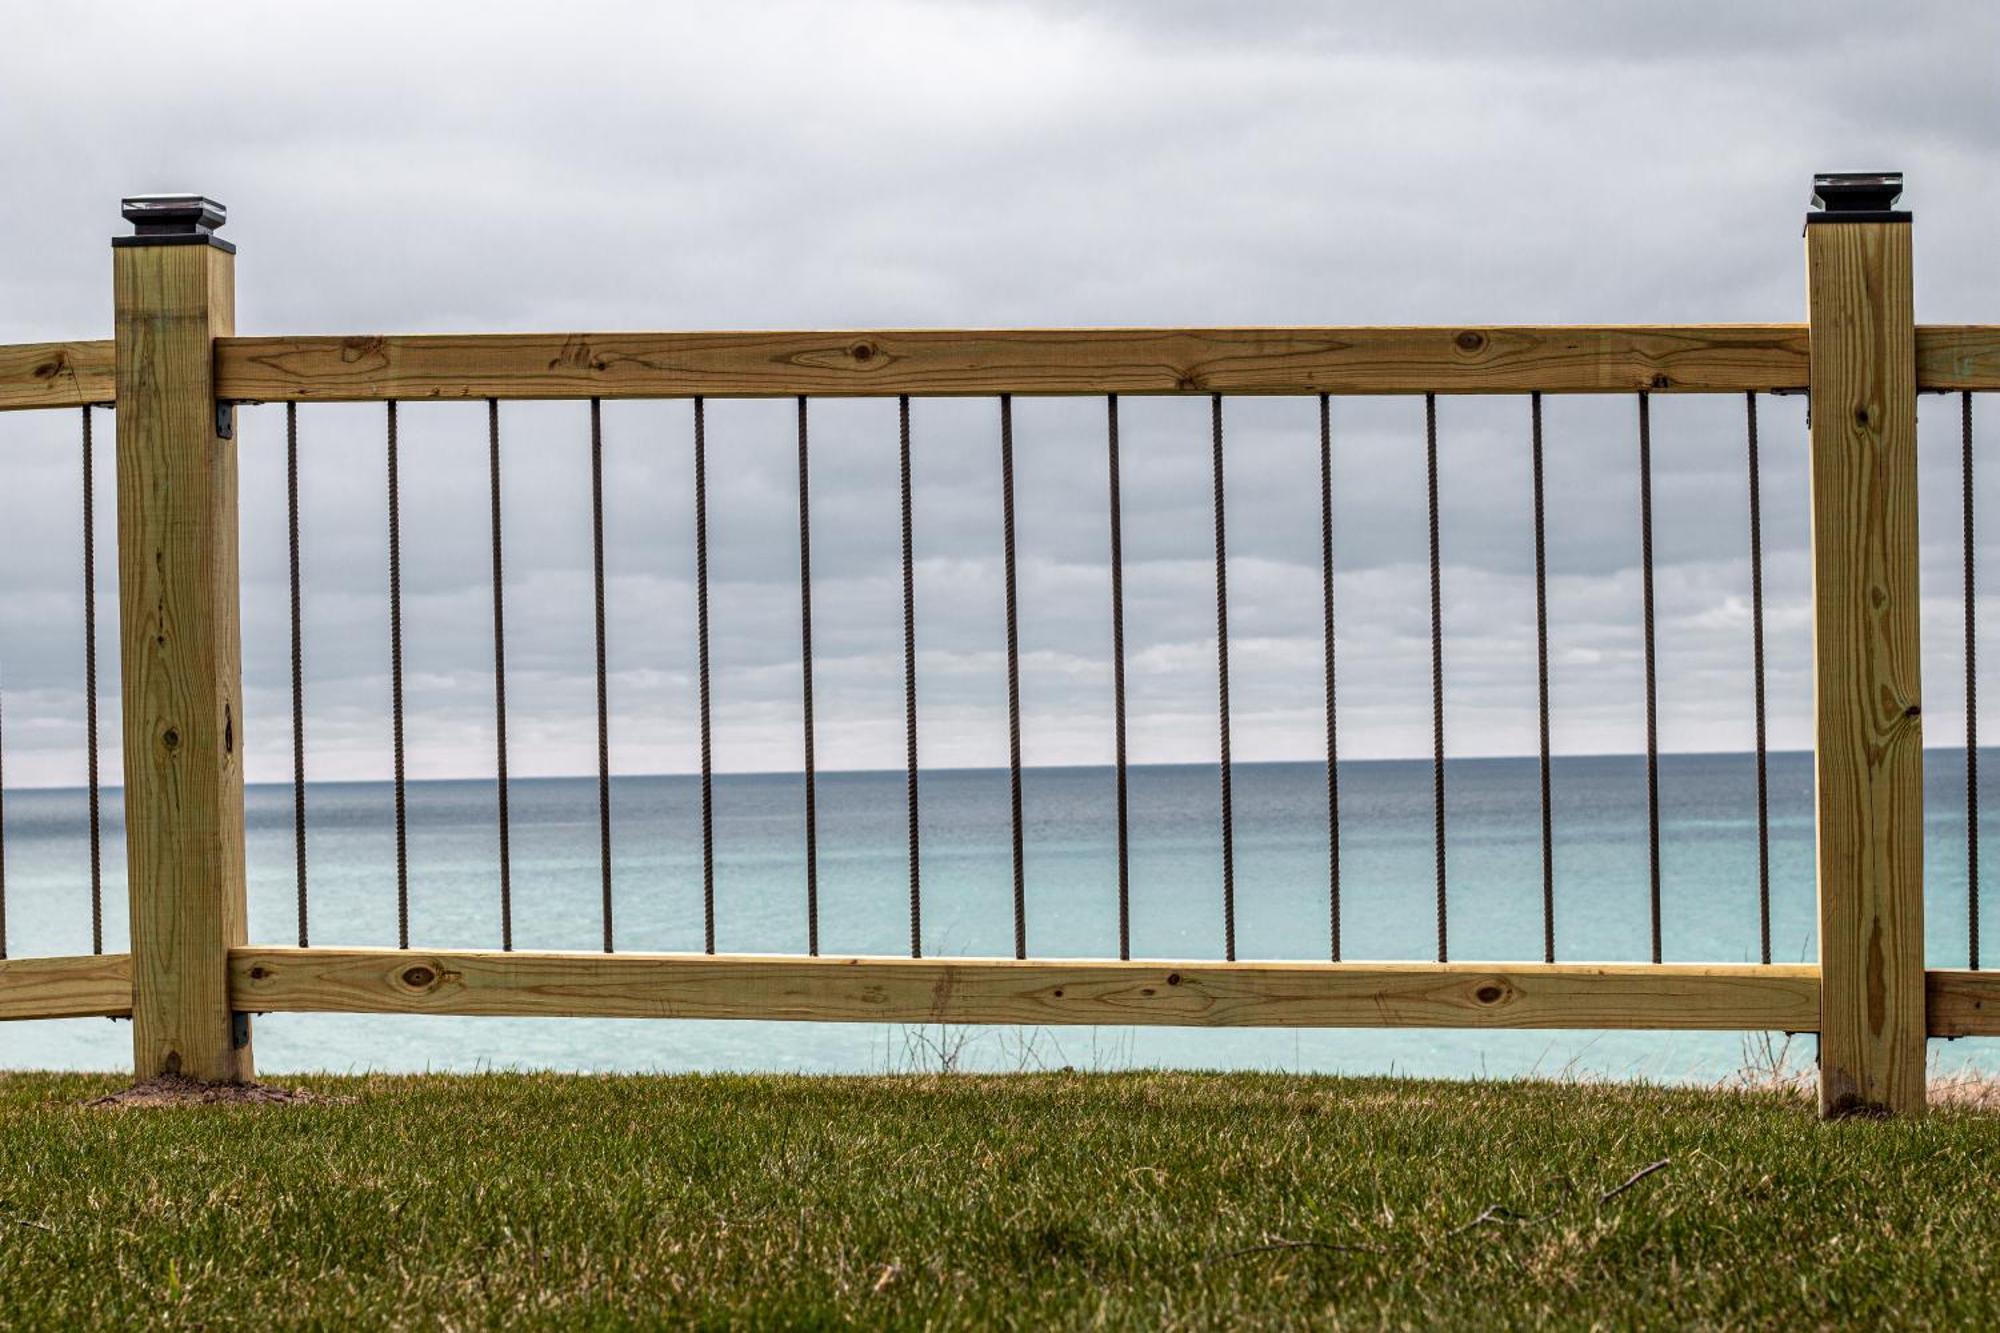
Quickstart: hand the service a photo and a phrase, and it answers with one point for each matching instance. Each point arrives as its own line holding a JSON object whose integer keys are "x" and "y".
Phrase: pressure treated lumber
{"x": 1760, "y": 357}
{"x": 942, "y": 362}
{"x": 87, "y": 986}
{"x": 1963, "y": 1004}
{"x": 1958, "y": 356}
{"x": 69, "y": 374}
{"x": 1867, "y": 679}
{"x": 183, "y": 675}
{"x": 930, "y": 990}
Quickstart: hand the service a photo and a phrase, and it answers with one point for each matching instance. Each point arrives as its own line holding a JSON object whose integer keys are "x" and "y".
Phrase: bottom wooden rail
{"x": 981, "y": 990}
{"x": 966, "y": 990}
{"x": 1963, "y": 1004}
{"x": 90, "y": 986}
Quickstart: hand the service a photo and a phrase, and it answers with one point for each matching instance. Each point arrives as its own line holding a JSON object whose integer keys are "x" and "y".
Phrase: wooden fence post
{"x": 175, "y": 292}
{"x": 1866, "y": 680}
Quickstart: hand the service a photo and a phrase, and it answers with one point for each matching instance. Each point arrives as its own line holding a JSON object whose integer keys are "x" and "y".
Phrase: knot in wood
{"x": 419, "y": 977}
{"x": 1471, "y": 340}
{"x": 1491, "y": 992}
{"x": 366, "y": 347}
{"x": 862, "y": 352}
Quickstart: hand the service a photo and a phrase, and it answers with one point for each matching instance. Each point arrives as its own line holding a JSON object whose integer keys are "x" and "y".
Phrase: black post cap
{"x": 1857, "y": 196}
{"x": 173, "y": 219}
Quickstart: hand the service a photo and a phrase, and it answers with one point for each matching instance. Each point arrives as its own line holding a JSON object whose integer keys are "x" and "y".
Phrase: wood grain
{"x": 1958, "y": 356}
{"x": 70, "y": 374}
{"x": 904, "y": 990}
{"x": 943, "y": 362}
{"x": 1963, "y": 1004}
{"x": 1763, "y": 357}
{"x": 90, "y": 986}
{"x": 178, "y": 596}
{"x": 1867, "y": 679}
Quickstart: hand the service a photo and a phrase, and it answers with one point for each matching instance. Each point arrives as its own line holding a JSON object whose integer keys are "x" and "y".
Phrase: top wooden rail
{"x": 1954, "y": 357}
{"x": 71, "y": 374}
{"x": 878, "y": 363}
{"x": 1690, "y": 358}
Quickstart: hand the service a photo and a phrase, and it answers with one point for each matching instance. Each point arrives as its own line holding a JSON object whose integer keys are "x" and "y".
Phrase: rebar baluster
{"x": 1222, "y": 686}
{"x": 1332, "y": 713}
{"x": 603, "y": 686}
{"x": 1652, "y": 684}
{"x": 1437, "y": 674}
{"x": 1013, "y": 675}
{"x": 90, "y": 690}
{"x": 396, "y": 691}
{"x": 1118, "y": 679}
{"x": 1542, "y": 686}
{"x": 910, "y": 680}
{"x": 701, "y": 658}
{"x": 1971, "y": 703}
{"x": 1757, "y": 685}
{"x": 806, "y": 663}
{"x": 298, "y": 664}
{"x": 500, "y": 677}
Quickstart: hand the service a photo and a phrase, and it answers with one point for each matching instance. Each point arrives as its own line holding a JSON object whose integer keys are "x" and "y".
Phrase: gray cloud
{"x": 476, "y": 167}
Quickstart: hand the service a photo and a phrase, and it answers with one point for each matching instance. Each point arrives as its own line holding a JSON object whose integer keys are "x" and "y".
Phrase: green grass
{"x": 1129, "y": 1200}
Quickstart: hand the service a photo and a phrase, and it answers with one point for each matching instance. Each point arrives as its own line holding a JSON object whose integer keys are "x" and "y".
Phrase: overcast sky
{"x": 447, "y": 166}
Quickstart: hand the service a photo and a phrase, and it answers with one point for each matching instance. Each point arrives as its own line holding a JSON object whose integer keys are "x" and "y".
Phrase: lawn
{"x": 1119, "y": 1200}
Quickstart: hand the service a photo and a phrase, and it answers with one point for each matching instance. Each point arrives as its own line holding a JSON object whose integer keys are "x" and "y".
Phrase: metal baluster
{"x": 396, "y": 694}
{"x": 1013, "y": 675}
{"x": 806, "y": 656}
{"x": 603, "y": 688}
{"x": 1437, "y": 673}
{"x": 1652, "y": 683}
{"x": 298, "y": 664}
{"x": 910, "y": 680}
{"x": 1971, "y": 703}
{"x": 1757, "y": 666}
{"x": 1332, "y": 713}
{"x": 90, "y": 691}
{"x": 1118, "y": 679}
{"x": 1222, "y": 685}
{"x": 500, "y": 677}
{"x": 1542, "y": 687}
{"x": 701, "y": 652}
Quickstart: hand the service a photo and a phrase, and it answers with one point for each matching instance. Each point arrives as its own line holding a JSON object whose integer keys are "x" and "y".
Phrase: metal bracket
{"x": 239, "y": 1029}
{"x": 225, "y": 420}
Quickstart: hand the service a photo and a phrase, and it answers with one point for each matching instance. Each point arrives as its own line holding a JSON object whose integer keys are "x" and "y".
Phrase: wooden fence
{"x": 175, "y": 367}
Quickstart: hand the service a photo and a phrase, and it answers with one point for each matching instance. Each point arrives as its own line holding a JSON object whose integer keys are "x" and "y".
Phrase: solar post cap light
{"x": 173, "y": 219}
{"x": 1858, "y": 196}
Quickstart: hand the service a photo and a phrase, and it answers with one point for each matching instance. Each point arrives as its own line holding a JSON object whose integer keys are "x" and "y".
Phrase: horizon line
{"x": 591, "y": 775}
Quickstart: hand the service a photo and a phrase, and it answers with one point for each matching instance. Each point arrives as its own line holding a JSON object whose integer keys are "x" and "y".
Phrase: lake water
{"x": 1710, "y": 894}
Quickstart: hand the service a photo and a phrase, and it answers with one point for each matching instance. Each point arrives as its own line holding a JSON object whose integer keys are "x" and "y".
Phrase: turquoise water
{"x": 1709, "y": 863}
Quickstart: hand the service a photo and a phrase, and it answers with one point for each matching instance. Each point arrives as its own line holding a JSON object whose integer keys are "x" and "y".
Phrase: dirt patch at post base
{"x": 173, "y": 1090}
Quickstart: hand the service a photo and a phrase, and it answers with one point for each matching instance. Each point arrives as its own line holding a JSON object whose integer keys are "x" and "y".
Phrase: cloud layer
{"x": 461, "y": 167}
